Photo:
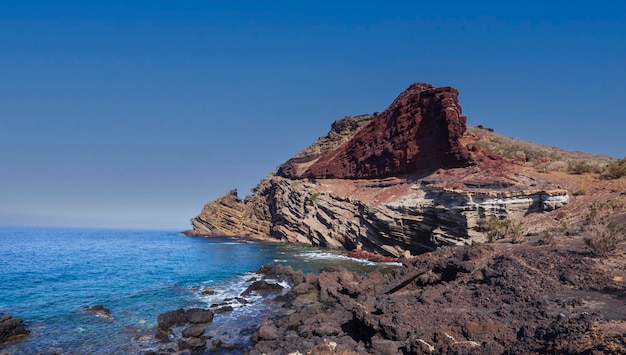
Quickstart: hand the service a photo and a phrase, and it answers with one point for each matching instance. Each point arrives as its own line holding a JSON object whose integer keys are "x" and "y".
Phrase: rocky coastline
{"x": 507, "y": 247}
{"x": 493, "y": 298}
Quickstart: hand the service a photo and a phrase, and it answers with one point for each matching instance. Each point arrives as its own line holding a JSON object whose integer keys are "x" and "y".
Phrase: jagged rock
{"x": 261, "y": 287}
{"x": 282, "y": 273}
{"x": 341, "y": 131}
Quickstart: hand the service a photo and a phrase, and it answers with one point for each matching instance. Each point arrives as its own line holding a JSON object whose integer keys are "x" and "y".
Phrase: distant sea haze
{"x": 48, "y": 276}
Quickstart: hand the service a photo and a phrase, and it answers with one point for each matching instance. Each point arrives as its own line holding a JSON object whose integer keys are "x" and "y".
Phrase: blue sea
{"x": 48, "y": 276}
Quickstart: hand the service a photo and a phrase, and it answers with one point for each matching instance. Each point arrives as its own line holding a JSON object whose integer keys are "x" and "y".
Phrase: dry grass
{"x": 541, "y": 157}
{"x": 501, "y": 228}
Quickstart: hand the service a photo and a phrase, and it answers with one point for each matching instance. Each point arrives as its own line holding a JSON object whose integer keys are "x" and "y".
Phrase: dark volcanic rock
{"x": 197, "y": 318}
{"x": 199, "y": 315}
{"x": 224, "y": 309}
{"x": 99, "y": 310}
{"x": 171, "y": 318}
{"x": 267, "y": 331}
{"x": 195, "y": 344}
{"x": 282, "y": 273}
{"x": 11, "y": 328}
{"x": 483, "y": 299}
{"x": 418, "y": 133}
{"x": 193, "y": 331}
{"x": 261, "y": 287}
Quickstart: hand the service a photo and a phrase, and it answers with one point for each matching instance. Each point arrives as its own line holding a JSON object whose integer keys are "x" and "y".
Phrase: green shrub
{"x": 313, "y": 197}
{"x": 579, "y": 167}
{"x": 492, "y": 228}
{"x": 603, "y": 238}
{"x": 615, "y": 169}
{"x": 498, "y": 229}
{"x": 548, "y": 238}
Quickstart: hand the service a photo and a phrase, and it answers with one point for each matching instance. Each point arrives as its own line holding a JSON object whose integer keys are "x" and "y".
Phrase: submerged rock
{"x": 99, "y": 310}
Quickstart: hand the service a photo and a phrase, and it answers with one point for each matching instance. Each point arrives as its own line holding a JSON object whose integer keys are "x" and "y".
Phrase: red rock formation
{"x": 418, "y": 133}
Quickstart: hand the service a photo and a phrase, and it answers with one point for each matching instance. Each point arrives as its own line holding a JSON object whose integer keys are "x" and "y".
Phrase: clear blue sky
{"x": 136, "y": 113}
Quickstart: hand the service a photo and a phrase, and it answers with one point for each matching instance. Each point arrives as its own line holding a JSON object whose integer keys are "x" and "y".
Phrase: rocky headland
{"x": 507, "y": 247}
{"x": 401, "y": 182}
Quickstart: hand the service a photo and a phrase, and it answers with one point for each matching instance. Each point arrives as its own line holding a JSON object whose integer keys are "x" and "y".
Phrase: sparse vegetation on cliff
{"x": 542, "y": 157}
{"x": 604, "y": 237}
{"x": 603, "y": 234}
{"x": 615, "y": 169}
{"x": 501, "y": 228}
{"x": 583, "y": 167}
{"x": 379, "y": 209}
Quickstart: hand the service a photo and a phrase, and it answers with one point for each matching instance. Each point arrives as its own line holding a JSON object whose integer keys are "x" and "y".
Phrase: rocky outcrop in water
{"x": 192, "y": 335}
{"x": 401, "y": 182}
{"x": 11, "y": 328}
{"x": 100, "y": 311}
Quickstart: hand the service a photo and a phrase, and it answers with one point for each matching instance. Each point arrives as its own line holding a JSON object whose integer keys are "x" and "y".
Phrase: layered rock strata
{"x": 396, "y": 183}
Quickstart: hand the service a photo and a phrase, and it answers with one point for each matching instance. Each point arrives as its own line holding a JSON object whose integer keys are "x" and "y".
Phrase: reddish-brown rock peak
{"x": 418, "y": 133}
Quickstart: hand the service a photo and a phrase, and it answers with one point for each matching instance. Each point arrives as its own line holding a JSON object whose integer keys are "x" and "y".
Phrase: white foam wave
{"x": 321, "y": 255}
{"x": 229, "y": 290}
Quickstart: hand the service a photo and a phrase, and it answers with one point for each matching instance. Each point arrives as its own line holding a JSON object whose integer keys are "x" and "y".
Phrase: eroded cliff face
{"x": 401, "y": 182}
{"x": 418, "y": 133}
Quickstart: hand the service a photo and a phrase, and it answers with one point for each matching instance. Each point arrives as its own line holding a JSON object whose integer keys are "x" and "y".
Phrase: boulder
{"x": 267, "y": 331}
{"x": 171, "y": 318}
{"x": 193, "y": 331}
{"x": 11, "y": 328}
{"x": 195, "y": 344}
{"x": 261, "y": 287}
{"x": 199, "y": 315}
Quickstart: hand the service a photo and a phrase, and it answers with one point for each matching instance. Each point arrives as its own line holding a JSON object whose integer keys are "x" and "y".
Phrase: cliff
{"x": 418, "y": 133}
{"x": 401, "y": 182}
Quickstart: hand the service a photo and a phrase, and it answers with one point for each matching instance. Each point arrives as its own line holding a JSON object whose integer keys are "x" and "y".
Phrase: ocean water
{"x": 48, "y": 276}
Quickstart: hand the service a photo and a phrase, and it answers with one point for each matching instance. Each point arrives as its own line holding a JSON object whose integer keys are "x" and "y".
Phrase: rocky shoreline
{"x": 507, "y": 247}
{"x": 494, "y": 298}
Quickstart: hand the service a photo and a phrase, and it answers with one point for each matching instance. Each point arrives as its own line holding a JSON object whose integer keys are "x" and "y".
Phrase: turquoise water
{"x": 47, "y": 276}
